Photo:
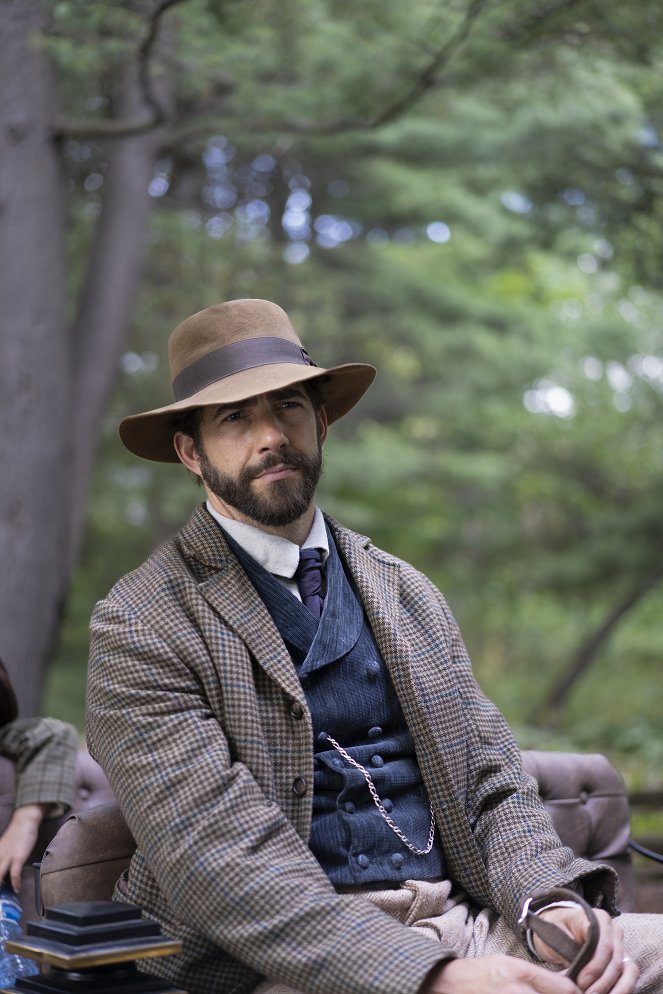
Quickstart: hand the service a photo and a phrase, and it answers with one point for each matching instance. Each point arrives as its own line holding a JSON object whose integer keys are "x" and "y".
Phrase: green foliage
{"x": 494, "y": 250}
{"x": 89, "y": 41}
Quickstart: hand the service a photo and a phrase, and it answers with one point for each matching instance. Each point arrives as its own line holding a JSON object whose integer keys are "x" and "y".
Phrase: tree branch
{"x": 144, "y": 57}
{"x": 96, "y": 128}
{"x": 552, "y": 706}
{"x": 530, "y": 22}
{"x": 426, "y": 79}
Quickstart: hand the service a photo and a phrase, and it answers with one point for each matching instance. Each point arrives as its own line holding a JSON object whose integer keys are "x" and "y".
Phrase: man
{"x": 322, "y": 799}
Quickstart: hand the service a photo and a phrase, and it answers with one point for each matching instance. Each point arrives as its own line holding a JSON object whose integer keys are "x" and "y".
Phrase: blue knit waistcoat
{"x": 352, "y": 699}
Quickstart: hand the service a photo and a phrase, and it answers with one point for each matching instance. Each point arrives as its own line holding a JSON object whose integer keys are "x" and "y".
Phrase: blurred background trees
{"x": 465, "y": 194}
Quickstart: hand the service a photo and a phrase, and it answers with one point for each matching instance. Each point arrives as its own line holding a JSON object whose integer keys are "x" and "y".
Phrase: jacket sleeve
{"x": 509, "y": 826}
{"x": 225, "y": 858}
{"x": 44, "y": 750}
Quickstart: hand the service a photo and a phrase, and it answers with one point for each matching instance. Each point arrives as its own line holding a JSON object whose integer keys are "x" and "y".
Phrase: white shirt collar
{"x": 277, "y": 555}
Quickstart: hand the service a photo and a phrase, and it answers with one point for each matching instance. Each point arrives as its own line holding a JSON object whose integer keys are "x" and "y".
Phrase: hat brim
{"x": 150, "y": 435}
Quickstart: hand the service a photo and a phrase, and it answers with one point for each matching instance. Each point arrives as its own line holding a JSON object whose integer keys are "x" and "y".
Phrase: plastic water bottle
{"x": 11, "y": 965}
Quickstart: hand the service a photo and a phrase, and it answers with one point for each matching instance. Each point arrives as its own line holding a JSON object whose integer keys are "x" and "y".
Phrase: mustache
{"x": 292, "y": 459}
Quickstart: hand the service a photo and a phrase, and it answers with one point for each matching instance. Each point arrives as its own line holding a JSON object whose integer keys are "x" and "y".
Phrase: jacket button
{"x": 296, "y": 710}
{"x": 299, "y": 786}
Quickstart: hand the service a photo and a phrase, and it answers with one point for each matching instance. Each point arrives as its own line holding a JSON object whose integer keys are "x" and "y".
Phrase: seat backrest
{"x": 86, "y": 857}
{"x": 587, "y": 800}
{"x": 584, "y": 794}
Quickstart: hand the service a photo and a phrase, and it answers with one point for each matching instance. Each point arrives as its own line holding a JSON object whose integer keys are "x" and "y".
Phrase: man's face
{"x": 261, "y": 459}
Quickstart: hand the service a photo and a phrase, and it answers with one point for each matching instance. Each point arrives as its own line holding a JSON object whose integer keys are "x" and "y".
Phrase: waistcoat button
{"x": 299, "y": 786}
{"x": 396, "y": 860}
{"x": 363, "y": 861}
{"x": 374, "y": 732}
{"x": 377, "y": 761}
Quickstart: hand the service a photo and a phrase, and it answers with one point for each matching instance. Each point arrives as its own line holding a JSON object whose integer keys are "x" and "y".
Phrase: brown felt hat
{"x": 8, "y": 705}
{"x": 228, "y": 353}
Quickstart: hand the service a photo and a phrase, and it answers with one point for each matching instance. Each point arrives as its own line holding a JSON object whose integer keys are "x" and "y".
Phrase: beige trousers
{"x": 430, "y": 906}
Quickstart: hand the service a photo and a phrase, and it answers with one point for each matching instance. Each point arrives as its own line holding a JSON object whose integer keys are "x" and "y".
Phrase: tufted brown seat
{"x": 83, "y": 855}
{"x": 587, "y": 800}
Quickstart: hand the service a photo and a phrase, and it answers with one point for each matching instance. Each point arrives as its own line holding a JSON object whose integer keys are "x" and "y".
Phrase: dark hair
{"x": 316, "y": 390}
{"x": 188, "y": 422}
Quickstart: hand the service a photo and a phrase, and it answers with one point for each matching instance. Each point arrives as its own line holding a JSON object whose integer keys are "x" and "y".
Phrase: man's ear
{"x": 323, "y": 423}
{"x": 185, "y": 447}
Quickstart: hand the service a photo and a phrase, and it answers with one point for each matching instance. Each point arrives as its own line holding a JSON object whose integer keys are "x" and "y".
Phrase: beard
{"x": 287, "y": 499}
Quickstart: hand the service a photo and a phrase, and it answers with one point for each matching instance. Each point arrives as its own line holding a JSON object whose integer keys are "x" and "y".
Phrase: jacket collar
{"x": 201, "y": 542}
{"x": 376, "y": 575}
{"x": 225, "y": 586}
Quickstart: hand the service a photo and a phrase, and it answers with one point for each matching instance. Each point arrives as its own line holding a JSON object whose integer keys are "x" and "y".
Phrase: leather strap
{"x": 577, "y": 954}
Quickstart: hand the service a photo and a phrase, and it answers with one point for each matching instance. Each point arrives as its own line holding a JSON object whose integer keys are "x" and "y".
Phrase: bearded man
{"x": 323, "y": 800}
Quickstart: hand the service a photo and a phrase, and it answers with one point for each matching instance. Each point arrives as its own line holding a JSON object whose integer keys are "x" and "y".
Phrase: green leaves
{"x": 493, "y": 246}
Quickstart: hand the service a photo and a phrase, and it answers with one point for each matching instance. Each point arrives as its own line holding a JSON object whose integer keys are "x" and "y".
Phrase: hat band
{"x": 235, "y": 358}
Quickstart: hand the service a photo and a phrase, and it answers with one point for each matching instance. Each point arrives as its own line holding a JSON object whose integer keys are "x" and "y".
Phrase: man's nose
{"x": 271, "y": 432}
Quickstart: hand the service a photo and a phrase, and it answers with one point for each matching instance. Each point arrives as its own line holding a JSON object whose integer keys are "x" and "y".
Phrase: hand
{"x": 607, "y": 971}
{"x": 18, "y": 841}
{"x": 496, "y": 975}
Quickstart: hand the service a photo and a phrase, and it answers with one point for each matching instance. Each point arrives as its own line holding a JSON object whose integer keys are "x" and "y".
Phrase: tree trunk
{"x": 551, "y": 709}
{"x": 109, "y": 292}
{"x": 55, "y": 384}
{"x": 34, "y": 355}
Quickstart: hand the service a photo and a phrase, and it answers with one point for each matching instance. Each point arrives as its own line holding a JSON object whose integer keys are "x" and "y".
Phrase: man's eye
{"x": 234, "y": 416}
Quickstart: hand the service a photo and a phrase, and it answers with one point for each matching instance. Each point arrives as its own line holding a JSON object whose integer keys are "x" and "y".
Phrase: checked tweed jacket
{"x": 197, "y": 716}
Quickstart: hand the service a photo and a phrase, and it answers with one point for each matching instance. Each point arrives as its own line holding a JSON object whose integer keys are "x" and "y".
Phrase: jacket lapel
{"x": 228, "y": 590}
{"x": 377, "y": 577}
{"x": 377, "y": 581}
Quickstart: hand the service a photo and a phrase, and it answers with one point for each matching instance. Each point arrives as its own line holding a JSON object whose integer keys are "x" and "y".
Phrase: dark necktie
{"x": 308, "y": 576}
